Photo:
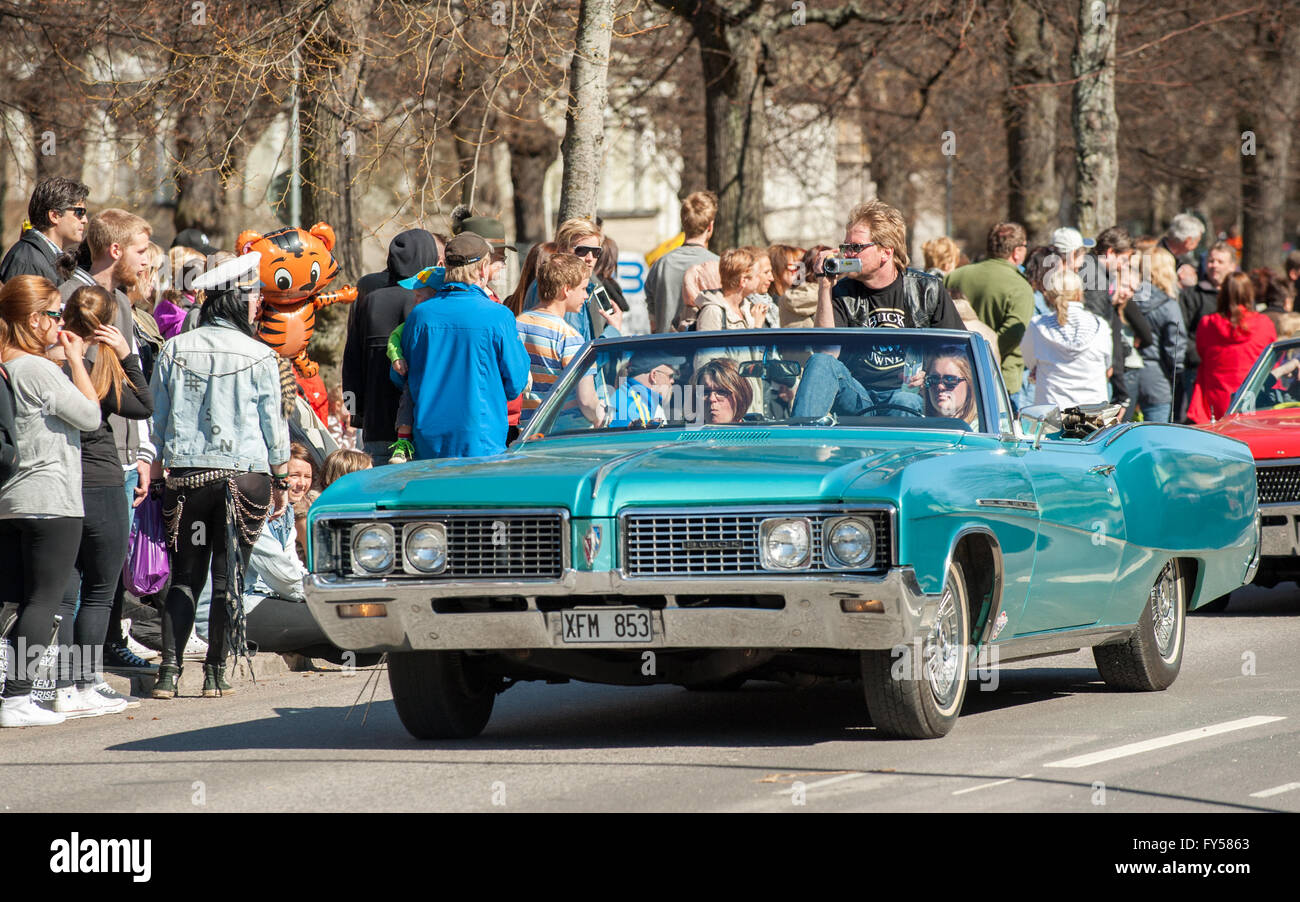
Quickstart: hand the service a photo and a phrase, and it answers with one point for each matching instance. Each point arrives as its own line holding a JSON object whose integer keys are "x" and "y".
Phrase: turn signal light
{"x": 370, "y": 609}
{"x": 862, "y": 606}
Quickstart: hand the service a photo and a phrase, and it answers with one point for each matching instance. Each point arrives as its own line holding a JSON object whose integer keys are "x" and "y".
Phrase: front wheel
{"x": 1151, "y": 658}
{"x": 440, "y": 694}
{"x": 916, "y": 691}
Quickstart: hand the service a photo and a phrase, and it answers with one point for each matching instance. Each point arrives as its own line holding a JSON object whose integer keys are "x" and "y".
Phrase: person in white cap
{"x": 221, "y": 459}
{"x": 1068, "y": 244}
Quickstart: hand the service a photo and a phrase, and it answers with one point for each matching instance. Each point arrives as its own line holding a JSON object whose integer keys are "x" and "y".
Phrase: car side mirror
{"x": 1040, "y": 420}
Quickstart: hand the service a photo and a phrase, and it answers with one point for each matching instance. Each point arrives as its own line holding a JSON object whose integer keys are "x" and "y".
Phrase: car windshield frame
{"x": 986, "y": 378}
{"x": 1245, "y": 397}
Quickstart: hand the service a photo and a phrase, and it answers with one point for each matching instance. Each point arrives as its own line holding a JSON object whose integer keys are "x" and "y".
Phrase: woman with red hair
{"x": 1229, "y": 342}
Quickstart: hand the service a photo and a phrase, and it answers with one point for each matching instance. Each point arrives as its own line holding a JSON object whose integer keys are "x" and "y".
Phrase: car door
{"x": 1080, "y": 535}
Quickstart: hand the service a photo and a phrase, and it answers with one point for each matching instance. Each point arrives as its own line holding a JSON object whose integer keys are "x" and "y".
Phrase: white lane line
{"x": 991, "y": 785}
{"x": 1150, "y": 745}
{"x": 1275, "y": 791}
{"x": 827, "y": 782}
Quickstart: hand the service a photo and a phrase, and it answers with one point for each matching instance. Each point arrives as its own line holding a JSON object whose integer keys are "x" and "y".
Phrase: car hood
{"x": 1271, "y": 434}
{"x": 596, "y": 478}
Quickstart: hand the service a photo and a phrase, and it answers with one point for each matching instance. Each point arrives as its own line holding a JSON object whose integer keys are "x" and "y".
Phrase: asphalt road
{"x": 1050, "y": 737}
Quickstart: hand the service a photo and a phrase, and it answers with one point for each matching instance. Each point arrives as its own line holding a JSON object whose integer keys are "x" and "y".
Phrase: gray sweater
{"x": 50, "y": 416}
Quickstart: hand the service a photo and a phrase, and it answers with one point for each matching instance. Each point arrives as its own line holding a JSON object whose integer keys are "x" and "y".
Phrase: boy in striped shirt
{"x": 550, "y": 341}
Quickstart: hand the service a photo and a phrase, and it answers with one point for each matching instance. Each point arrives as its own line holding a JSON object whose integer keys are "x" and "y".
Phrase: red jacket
{"x": 1226, "y": 358}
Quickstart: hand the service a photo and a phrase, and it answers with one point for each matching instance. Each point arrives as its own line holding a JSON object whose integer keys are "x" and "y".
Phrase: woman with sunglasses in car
{"x": 41, "y": 508}
{"x": 948, "y": 388}
{"x": 725, "y": 394}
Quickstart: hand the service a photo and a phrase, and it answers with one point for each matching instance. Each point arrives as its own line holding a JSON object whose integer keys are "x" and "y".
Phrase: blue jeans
{"x": 1157, "y": 413}
{"x": 828, "y": 386}
{"x": 378, "y": 452}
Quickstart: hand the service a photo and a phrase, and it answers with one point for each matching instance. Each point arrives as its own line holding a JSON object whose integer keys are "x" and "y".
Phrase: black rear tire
{"x": 441, "y": 694}
{"x": 911, "y": 699}
{"x": 1149, "y": 660}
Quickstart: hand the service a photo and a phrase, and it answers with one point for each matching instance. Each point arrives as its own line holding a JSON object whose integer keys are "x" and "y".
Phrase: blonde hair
{"x": 887, "y": 227}
{"x": 1062, "y": 285}
{"x": 1288, "y": 324}
{"x": 113, "y": 226}
{"x": 558, "y": 274}
{"x": 571, "y": 230}
{"x": 733, "y": 266}
{"x": 940, "y": 253}
{"x": 698, "y": 212}
{"x": 89, "y": 308}
{"x": 342, "y": 462}
{"x": 153, "y": 281}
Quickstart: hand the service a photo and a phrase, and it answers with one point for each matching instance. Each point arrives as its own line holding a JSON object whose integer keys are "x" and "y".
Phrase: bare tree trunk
{"x": 533, "y": 148}
{"x": 332, "y": 84}
{"x": 733, "y": 58}
{"x": 1033, "y": 199}
{"x": 584, "y": 124}
{"x": 1096, "y": 125}
{"x": 1267, "y": 126}
{"x": 200, "y": 196}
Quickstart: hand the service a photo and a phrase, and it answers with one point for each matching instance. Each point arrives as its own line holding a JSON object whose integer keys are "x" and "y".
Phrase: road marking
{"x": 1150, "y": 745}
{"x": 1275, "y": 791}
{"x": 826, "y": 782}
{"x": 991, "y": 785}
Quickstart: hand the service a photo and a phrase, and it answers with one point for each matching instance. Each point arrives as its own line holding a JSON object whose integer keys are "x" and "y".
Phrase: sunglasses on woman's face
{"x": 948, "y": 382}
{"x": 586, "y": 250}
{"x": 710, "y": 391}
{"x": 56, "y": 315}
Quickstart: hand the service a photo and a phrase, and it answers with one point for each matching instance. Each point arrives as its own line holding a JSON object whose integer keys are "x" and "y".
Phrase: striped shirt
{"x": 551, "y": 343}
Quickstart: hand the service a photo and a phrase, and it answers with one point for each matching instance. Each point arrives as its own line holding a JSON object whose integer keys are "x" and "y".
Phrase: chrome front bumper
{"x": 812, "y": 616}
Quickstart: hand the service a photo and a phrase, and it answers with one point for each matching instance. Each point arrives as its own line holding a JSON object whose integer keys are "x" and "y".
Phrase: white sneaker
{"x": 195, "y": 649}
{"x": 102, "y": 689}
{"x": 72, "y": 704}
{"x": 104, "y": 703}
{"x": 135, "y": 646}
{"x": 21, "y": 711}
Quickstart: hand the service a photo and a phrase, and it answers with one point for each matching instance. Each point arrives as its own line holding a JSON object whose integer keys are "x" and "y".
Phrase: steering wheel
{"x": 889, "y": 405}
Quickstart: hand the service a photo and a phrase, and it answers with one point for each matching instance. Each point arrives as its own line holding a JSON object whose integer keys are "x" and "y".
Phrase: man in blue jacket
{"x": 465, "y": 359}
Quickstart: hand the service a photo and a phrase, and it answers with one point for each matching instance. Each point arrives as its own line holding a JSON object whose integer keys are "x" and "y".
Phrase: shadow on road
{"x": 584, "y": 716}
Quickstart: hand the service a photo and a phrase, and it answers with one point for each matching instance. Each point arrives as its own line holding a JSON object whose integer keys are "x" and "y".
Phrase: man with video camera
{"x": 869, "y": 283}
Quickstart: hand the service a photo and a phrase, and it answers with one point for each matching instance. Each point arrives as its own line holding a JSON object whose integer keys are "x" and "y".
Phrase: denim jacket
{"x": 217, "y": 402}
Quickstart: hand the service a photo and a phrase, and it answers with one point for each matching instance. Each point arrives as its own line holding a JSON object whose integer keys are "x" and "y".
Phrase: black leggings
{"x": 200, "y": 547}
{"x": 99, "y": 562}
{"x": 36, "y": 558}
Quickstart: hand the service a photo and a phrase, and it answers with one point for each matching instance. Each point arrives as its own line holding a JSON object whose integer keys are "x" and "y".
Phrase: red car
{"x": 1265, "y": 414}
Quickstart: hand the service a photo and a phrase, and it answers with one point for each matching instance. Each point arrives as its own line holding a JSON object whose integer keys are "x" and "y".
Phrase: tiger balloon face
{"x": 296, "y": 263}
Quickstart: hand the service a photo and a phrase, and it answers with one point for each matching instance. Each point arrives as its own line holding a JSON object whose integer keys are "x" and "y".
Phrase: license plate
{"x": 628, "y": 625}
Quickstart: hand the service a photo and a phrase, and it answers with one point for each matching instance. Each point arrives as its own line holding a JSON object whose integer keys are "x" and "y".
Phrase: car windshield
{"x": 1274, "y": 384}
{"x": 869, "y": 378}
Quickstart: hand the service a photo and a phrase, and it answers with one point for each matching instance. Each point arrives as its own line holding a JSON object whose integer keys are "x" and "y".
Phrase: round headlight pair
{"x": 424, "y": 548}
{"x": 785, "y": 544}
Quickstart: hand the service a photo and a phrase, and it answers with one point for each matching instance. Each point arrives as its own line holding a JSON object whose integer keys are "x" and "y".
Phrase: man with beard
{"x": 119, "y": 255}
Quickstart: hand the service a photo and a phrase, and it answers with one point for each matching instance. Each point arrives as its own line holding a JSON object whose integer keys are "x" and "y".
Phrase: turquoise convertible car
{"x": 705, "y": 508}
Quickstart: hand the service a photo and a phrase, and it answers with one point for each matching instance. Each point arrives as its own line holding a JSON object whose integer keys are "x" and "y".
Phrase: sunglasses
{"x": 586, "y": 250}
{"x": 948, "y": 382}
{"x": 79, "y": 212}
{"x": 852, "y": 250}
{"x": 721, "y": 392}
{"x": 56, "y": 315}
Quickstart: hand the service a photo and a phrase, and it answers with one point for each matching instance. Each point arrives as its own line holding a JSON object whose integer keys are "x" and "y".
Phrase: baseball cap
{"x": 1066, "y": 240}
{"x": 489, "y": 229}
{"x": 429, "y": 277}
{"x": 196, "y": 239}
{"x": 466, "y": 248}
{"x": 645, "y": 361}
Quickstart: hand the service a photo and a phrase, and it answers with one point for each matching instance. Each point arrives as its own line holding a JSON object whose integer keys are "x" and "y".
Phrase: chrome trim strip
{"x": 1120, "y": 429}
{"x": 1280, "y": 462}
{"x": 1059, "y": 643}
{"x": 1008, "y": 502}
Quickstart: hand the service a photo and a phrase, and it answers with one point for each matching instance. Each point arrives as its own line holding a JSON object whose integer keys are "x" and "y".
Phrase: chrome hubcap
{"x": 1164, "y": 611}
{"x": 943, "y": 651}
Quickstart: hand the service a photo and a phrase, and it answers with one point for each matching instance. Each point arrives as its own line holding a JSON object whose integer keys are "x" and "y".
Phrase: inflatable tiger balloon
{"x": 296, "y": 265}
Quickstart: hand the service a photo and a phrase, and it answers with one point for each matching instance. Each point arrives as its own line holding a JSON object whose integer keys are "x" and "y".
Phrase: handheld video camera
{"x": 838, "y": 266}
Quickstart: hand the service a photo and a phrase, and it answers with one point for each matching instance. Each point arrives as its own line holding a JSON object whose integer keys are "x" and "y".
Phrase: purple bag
{"x": 147, "y": 566}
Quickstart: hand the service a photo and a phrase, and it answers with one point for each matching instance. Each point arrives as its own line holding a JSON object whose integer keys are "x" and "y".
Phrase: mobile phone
{"x": 603, "y": 299}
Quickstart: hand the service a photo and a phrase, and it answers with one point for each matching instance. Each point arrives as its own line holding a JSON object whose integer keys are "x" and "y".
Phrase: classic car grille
{"x": 689, "y": 544}
{"x": 1278, "y": 484}
{"x": 523, "y": 547}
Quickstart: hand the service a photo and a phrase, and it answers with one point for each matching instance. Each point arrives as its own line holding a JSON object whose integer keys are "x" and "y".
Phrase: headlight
{"x": 372, "y": 548}
{"x": 850, "y": 543}
{"x": 784, "y": 544}
{"x": 424, "y": 545}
